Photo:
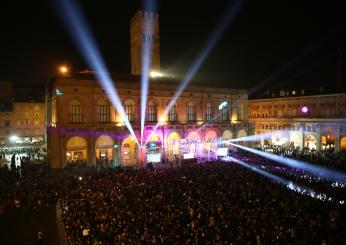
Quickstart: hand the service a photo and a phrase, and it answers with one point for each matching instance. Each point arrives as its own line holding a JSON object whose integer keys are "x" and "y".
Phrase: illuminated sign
{"x": 222, "y": 151}
{"x": 155, "y": 157}
{"x": 188, "y": 156}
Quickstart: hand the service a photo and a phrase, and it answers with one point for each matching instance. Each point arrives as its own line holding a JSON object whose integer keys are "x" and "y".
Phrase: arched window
{"x": 75, "y": 112}
{"x": 209, "y": 112}
{"x": 130, "y": 110}
{"x": 103, "y": 111}
{"x": 191, "y": 112}
{"x": 151, "y": 115}
{"x": 172, "y": 114}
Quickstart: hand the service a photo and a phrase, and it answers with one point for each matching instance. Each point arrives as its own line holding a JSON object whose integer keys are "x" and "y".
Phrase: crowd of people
{"x": 32, "y": 153}
{"x": 213, "y": 202}
{"x": 335, "y": 159}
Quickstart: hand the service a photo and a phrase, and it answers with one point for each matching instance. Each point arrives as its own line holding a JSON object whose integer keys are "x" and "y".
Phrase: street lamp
{"x": 63, "y": 70}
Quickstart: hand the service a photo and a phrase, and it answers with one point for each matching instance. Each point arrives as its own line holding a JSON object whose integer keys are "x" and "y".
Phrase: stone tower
{"x": 144, "y": 33}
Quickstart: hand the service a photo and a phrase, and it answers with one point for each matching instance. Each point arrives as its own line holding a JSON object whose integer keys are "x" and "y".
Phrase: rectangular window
{"x": 129, "y": 110}
{"x": 75, "y": 114}
{"x": 104, "y": 113}
{"x": 151, "y": 114}
{"x": 172, "y": 114}
{"x": 37, "y": 122}
{"x": 209, "y": 114}
{"x": 225, "y": 113}
{"x": 191, "y": 113}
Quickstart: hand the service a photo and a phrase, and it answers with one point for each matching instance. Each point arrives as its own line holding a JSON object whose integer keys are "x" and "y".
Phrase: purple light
{"x": 305, "y": 109}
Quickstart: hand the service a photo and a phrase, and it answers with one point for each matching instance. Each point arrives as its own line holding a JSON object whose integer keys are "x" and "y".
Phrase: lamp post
{"x": 64, "y": 70}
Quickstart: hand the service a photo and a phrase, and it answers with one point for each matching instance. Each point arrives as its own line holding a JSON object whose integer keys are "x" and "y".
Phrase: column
{"x": 337, "y": 138}
{"x": 318, "y": 137}
{"x": 91, "y": 160}
{"x": 302, "y": 135}
{"x": 163, "y": 145}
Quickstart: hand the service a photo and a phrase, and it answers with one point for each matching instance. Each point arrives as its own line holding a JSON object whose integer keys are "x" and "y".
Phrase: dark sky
{"x": 280, "y": 42}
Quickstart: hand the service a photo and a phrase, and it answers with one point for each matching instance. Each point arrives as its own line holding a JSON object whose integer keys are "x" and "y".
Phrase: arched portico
{"x": 173, "y": 145}
{"x": 343, "y": 144}
{"x": 104, "y": 147}
{"x": 310, "y": 142}
{"x": 210, "y": 144}
{"x": 76, "y": 149}
{"x": 129, "y": 151}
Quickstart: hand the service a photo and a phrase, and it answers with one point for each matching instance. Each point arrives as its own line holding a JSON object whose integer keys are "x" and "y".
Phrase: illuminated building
{"x": 311, "y": 121}
{"x": 83, "y": 125}
{"x": 23, "y": 117}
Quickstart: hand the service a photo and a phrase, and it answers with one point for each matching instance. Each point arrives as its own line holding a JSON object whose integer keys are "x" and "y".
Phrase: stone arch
{"x": 343, "y": 144}
{"x": 327, "y": 138}
{"x": 76, "y": 149}
{"x": 310, "y": 141}
{"x": 193, "y": 136}
{"x": 194, "y": 146}
{"x": 210, "y": 135}
{"x": 129, "y": 151}
{"x": 227, "y": 134}
{"x": 104, "y": 146}
{"x": 173, "y": 143}
{"x": 210, "y": 144}
{"x": 154, "y": 147}
{"x": 102, "y": 101}
{"x": 241, "y": 133}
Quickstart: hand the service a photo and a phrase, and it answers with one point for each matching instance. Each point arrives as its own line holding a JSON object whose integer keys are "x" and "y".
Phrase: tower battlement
{"x": 145, "y": 16}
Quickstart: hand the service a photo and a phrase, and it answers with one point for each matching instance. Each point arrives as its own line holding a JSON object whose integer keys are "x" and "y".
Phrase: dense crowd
{"x": 205, "y": 203}
{"x": 330, "y": 158}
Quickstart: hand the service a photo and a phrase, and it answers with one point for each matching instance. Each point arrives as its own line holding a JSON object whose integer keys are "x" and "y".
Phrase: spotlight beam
{"x": 145, "y": 85}
{"x": 229, "y": 14}
{"x": 75, "y": 23}
{"x": 255, "y": 137}
{"x": 289, "y": 184}
{"x": 318, "y": 171}
{"x": 146, "y": 65}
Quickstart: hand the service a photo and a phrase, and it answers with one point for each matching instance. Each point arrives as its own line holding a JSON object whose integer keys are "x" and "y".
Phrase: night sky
{"x": 283, "y": 43}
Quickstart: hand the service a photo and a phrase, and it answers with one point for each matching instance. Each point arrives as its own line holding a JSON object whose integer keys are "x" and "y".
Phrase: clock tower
{"x": 144, "y": 36}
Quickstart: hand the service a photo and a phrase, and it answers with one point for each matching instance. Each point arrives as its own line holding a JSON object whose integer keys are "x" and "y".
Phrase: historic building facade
{"x": 82, "y": 123}
{"x": 22, "y": 119}
{"x": 23, "y": 123}
{"x": 316, "y": 122}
